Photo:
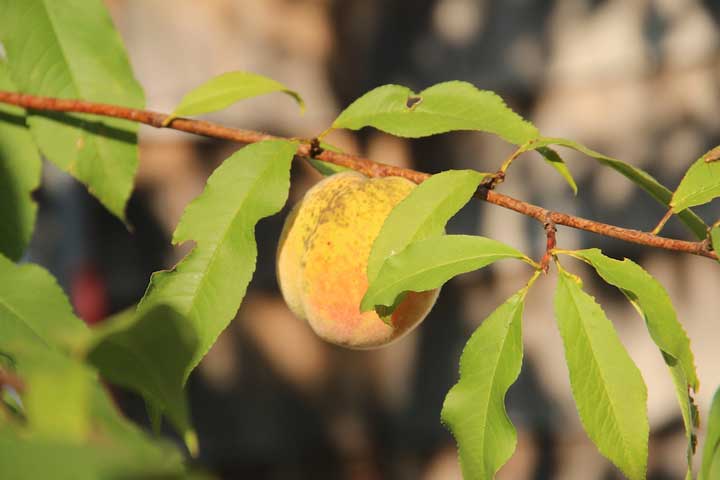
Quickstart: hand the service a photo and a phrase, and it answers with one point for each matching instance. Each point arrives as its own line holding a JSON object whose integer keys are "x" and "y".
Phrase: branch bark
{"x": 363, "y": 165}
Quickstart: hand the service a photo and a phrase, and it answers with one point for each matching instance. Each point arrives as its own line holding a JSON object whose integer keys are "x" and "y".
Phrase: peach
{"x": 322, "y": 260}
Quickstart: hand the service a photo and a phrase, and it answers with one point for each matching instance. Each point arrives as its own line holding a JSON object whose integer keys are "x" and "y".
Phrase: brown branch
{"x": 363, "y": 165}
{"x": 550, "y": 231}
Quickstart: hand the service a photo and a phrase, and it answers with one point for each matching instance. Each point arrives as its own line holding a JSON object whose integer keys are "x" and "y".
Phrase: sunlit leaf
{"x": 700, "y": 184}
{"x": 710, "y": 468}
{"x": 639, "y": 177}
{"x": 208, "y": 285}
{"x": 429, "y": 263}
{"x": 222, "y": 91}
{"x": 474, "y": 408}
{"x": 609, "y": 391}
{"x": 70, "y": 49}
{"x": 423, "y": 213}
{"x": 19, "y": 176}
{"x": 31, "y": 300}
{"x": 444, "y": 107}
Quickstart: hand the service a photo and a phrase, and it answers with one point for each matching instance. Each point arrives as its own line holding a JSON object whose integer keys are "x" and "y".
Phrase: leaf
{"x": 652, "y": 302}
{"x": 423, "y": 213}
{"x": 607, "y": 386}
{"x": 208, "y": 285}
{"x": 474, "y": 408}
{"x": 444, "y": 107}
{"x": 554, "y": 160}
{"x": 427, "y": 264}
{"x": 327, "y": 168}
{"x": 700, "y": 184}
{"x": 710, "y": 467}
{"x": 149, "y": 353}
{"x": 70, "y": 49}
{"x": 19, "y": 176}
{"x": 31, "y": 300}
{"x": 715, "y": 239}
{"x": 639, "y": 177}
{"x": 222, "y": 91}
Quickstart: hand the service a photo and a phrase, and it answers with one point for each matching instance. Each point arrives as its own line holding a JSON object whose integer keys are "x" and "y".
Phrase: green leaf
{"x": 149, "y": 353}
{"x": 32, "y": 301}
{"x": 222, "y": 91}
{"x": 639, "y": 177}
{"x": 554, "y": 160}
{"x": 700, "y": 184}
{"x": 651, "y": 300}
{"x": 422, "y": 214}
{"x": 19, "y": 176}
{"x": 327, "y": 168}
{"x": 70, "y": 49}
{"x": 208, "y": 285}
{"x": 715, "y": 239}
{"x": 474, "y": 408}
{"x": 607, "y": 386}
{"x": 444, "y": 107}
{"x": 710, "y": 468}
{"x": 429, "y": 263}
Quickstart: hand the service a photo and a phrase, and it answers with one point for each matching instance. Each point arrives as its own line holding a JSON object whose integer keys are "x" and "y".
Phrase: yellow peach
{"x": 322, "y": 260}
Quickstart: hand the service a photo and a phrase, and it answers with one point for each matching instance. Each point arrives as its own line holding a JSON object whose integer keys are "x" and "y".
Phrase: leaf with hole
{"x": 19, "y": 176}
{"x": 474, "y": 409}
{"x": 208, "y": 285}
{"x": 429, "y": 263}
{"x": 609, "y": 391}
{"x": 423, "y": 213}
{"x": 70, "y": 49}
{"x": 222, "y": 91}
{"x": 444, "y": 107}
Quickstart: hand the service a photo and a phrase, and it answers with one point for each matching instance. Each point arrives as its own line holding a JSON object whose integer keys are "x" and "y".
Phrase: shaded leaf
{"x": 444, "y": 107}
{"x": 700, "y": 184}
{"x": 222, "y": 91}
{"x": 607, "y": 386}
{"x": 423, "y": 213}
{"x": 149, "y": 353}
{"x": 474, "y": 408}
{"x": 715, "y": 239}
{"x": 208, "y": 285}
{"x": 554, "y": 160}
{"x": 710, "y": 467}
{"x": 19, "y": 176}
{"x": 429, "y": 263}
{"x": 70, "y": 49}
{"x": 636, "y": 175}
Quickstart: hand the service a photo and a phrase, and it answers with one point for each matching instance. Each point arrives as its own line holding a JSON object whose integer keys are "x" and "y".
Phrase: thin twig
{"x": 550, "y": 231}
{"x": 662, "y": 222}
{"x": 363, "y": 165}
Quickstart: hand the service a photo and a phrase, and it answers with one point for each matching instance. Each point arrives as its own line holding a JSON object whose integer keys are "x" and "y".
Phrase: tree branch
{"x": 363, "y": 165}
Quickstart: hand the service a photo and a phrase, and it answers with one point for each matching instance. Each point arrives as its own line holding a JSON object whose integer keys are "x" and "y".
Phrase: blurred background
{"x": 633, "y": 79}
